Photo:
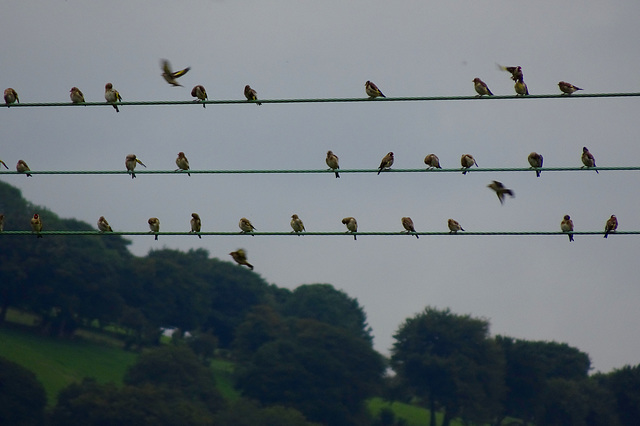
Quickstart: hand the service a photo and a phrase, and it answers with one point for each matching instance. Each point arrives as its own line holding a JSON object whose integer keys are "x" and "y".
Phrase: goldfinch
{"x": 154, "y": 225}
{"x": 454, "y": 226}
{"x": 130, "y": 162}
{"x": 112, "y": 95}
{"x": 76, "y": 95}
{"x": 296, "y": 224}
{"x": 22, "y": 167}
{"x": 481, "y": 87}
{"x": 535, "y": 160}
{"x": 351, "y": 225}
{"x": 386, "y": 163}
{"x": 588, "y": 159}
{"x": 169, "y": 75}
{"x": 500, "y": 190}
{"x": 182, "y": 163}
{"x": 36, "y": 224}
{"x": 521, "y": 88}
{"x": 241, "y": 258}
{"x": 200, "y": 93}
{"x": 372, "y": 90}
{"x": 251, "y": 94}
{"x": 10, "y": 96}
{"x": 196, "y": 224}
{"x": 567, "y": 226}
{"x": 611, "y": 225}
{"x": 103, "y": 225}
{"x": 467, "y": 161}
{"x": 246, "y": 226}
{"x": 407, "y": 223}
{"x": 332, "y": 162}
{"x": 567, "y": 88}
{"x": 516, "y": 72}
{"x": 432, "y": 161}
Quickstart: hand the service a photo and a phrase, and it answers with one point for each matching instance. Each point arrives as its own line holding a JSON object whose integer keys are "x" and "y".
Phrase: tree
{"x": 624, "y": 385}
{"x": 22, "y": 396}
{"x": 243, "y": 412}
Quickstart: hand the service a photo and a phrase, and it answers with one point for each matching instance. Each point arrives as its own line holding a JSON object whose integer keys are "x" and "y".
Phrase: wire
{"x": 315, "y": 234}
{"x": 322, "y": 100}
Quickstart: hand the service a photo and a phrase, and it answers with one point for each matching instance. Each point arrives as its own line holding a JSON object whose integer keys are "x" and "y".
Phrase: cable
{"x": 315, "y": 234}
{"x": 322, "y": 100}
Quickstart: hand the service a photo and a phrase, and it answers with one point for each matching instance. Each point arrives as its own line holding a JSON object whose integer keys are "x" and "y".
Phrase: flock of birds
{"x": 112, "y": 96}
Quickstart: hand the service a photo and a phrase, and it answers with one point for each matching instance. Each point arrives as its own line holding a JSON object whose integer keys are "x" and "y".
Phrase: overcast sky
{"x": 583, "y": 293}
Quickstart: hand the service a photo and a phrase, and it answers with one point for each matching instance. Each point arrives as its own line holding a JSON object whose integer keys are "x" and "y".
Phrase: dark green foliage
{"x": 22, "y": 397}
{"x": 624, "y": 386}
{"x": 243, "y": 412}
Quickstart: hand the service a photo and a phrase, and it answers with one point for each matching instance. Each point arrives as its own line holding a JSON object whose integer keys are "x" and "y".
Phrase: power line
{"x": 323, "y": 100}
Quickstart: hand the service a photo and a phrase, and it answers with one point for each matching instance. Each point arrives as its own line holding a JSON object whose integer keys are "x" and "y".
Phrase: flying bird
{"x": 169, "y": 75}
{"x": 535, "y": 160}
{"x": 76, "y": 95}
{"x": 196, "y": 224}
{"x": 200, "y": 93}
{"x": 36, "y": 224}
{"x": 467, "y": 161}
{"x": 103, "y": 225}
{"x": 182, "y": 163}
{"x": 407, "y": 223}
{"x": 154, "y": 225}
{"x": 22, "y": 167}
{"x": 372, "y": 90}
{"x": 332, "y": 162}
{"x": 386, "y": 163}
{"x": 516, "y": 72}
{"x": 500, "y": 190}
{"x": 481, "y": 87}
{"x": 296, "y": 224}
{"x": 246, "y": 226}
{"x": 611, "y": 225}
{"x": 521, "y": 88}
{"x": 567, "y": 226}
{"x": 351, "y": 224}
{"x": 454, "y": 226}
{"x": 588, "y": 159}
{"x": 567, "y": 88}
{"x": 130, "y": 162}
{"x": 10, "y": 96}
{"x": 112, "y": 95}
{"x": 432, "y": 161}
{"x": 251, "y": 94}
{"x": 241, "y": 258}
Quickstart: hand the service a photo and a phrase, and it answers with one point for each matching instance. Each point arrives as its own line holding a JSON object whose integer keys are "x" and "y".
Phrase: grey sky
{"x": 537, "y": 288}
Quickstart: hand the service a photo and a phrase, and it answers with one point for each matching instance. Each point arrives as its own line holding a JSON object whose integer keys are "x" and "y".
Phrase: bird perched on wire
{"x": 500, "y": 190}
{"x": 22, "y": 167}
{"x": 467, "y": 161}
{"x": 36, "y": 224}
{"x": 130, "y": 162}
{"x": 296, "y": 224}
{"x": 432, "y": 161}
{"x": 169, "y": 75}
{"x": 521, "y": 88}
{"x": 611, "y": 225}
{"x": 481, "y": 87}
{"x": 103, "y": 225}
{"x": 386, "y": 163}
{"x": 196, "y": 224}
{"x": 407, "y": 223}
{"x": 332, "y": 162}
{"x": 240, "y": 256}
{"x": 516, "y": 72}
{"x": 567, "y": 226}
{"x": 182, "y": 163}
{"x": 454, "y": 226}
{"x": 567, "y": 88}
{"x": 76, "y": 95}
{"x": 372, "y": 90}
{"x": 535, "y": 160}
{"x": 154, "y": 225}
{"x": 246, "y": 226}
{"x": 351, "y": 224}
{"x": 1, "y": 222}
{"x": 112, "y": 95}
{"x": 251, "y": 94}
{"x": 588, "y": 159}
{"x": 200, "y": 93}
{"x": 10, "y": 96}
{"x": 4, "y": 164}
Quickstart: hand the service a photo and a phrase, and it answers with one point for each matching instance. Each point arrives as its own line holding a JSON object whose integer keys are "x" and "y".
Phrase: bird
{"x": 467, "y": 161}
{"x": 521, "y": 88}
{"x": 567, "y": 226}
{"x": 10, "y": 96}
{"x": 196, "y": 224}
{"x": 76, "y": 95}
{"x": 296, "y": 224}
{"x": 241, "y": 258}
{"x": 535, "y": 160}
{"x": 246, "y": 226}
{"x": 130, "y": 162}
{"x": 251, "y": 94}
{"x": 386, "y": 163}
{"x": 611, "y": 225}
{"x": 588, "y": 159}
{"x": 408, "y": 225}
{"x": 36, "y": 224}
{"x": 500, "y": 190}
{"x": 103, "y": 225}
{"x": 351, "y": 224}
{"x": 182, "y": 163}
{"x": 112, "y": 95}
{"x": 200, "y": 93}
{"x": 4, "y": 164}
{"x": 372, "y": 90}
{"x": 154, "y": 225}
{"x": 567, "y": 88}
{"x": 481, "y": 87}
{"x": 454, "y": 226}
{"x": 1, "y": 222}
{"x": 432, "y": 161}
{"x": 169, "y": 75}
{"x": 516, "y": 72}
{"x": 332, "y": 162}
{"x": 22, "y": 167}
